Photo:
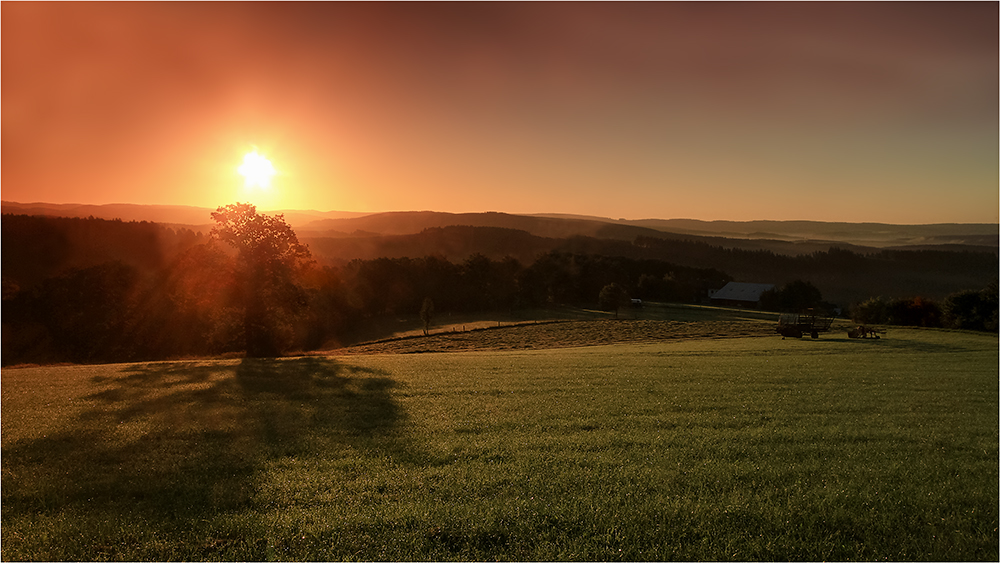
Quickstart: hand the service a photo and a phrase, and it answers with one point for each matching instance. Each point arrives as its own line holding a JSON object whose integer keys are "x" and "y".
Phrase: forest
{"x": 845, "y": 275}
{"x": 95, "y": 290}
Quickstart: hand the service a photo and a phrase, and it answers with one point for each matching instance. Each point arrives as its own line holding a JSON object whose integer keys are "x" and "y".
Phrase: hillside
{"x": 782, "y": 237}
{"x": 864, "y": 234}
{"x": 35, "y": 248}
{"x": 196, "y": 218}
{"x": 879, "y": 235}
{"x": 88, "y": 289}
{"x": 932, "y": 270}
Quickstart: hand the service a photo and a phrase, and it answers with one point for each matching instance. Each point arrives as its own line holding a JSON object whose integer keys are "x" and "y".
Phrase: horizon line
{"x": 523, "y": 214}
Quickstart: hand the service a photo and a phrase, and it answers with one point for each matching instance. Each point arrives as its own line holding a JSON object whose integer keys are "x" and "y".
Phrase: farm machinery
{"x": 862, "y": 331}
{"x": 795, "y": 325}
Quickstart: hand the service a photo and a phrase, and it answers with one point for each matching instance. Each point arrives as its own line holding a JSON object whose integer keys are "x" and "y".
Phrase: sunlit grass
{"x": 736, "y": 449}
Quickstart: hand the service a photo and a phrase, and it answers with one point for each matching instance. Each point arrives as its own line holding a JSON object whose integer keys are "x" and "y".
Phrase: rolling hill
{"x": 790, "y": 238}
{"x": 197, "y": 218}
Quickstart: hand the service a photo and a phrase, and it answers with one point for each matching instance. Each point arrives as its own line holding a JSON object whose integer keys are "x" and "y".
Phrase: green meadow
{"x": 723, "y": 449}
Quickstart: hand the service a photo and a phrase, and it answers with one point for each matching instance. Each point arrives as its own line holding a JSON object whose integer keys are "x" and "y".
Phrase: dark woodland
{"x": 93, "y": 290}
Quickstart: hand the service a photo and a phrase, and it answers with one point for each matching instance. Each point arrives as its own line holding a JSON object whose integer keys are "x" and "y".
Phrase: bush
{"x": 913, "y": 311}
{"x": 872, "y": 311}
{"x": 969, "y": 309}
{"x": 973, "y": 310}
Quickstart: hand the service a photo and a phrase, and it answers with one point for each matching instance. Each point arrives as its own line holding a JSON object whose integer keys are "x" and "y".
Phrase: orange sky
{"x": 823, "y": 111}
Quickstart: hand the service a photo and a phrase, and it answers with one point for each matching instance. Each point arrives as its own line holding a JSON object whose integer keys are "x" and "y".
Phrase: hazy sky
{"x": 881, "y": 112}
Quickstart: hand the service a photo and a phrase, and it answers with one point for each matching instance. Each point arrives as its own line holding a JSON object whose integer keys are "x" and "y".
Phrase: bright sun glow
{"x": 256, "y": 171}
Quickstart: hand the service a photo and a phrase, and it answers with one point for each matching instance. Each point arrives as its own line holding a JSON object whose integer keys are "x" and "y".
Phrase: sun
{"x": 257, "y": 171}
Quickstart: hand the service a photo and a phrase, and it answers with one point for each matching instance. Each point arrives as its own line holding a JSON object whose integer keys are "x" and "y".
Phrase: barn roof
{"x": 739, "y": 291}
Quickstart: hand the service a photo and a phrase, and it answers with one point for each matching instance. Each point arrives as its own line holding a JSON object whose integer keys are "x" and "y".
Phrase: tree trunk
{"x": 257, "y": 332}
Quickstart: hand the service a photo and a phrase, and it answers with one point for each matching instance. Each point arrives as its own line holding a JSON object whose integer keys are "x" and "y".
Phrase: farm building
{"x": 739, "y": 294}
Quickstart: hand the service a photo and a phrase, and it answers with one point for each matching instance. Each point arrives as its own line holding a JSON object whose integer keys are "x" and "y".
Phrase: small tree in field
{"x": 613, "y": 297}
{"x": 427, "y": 313}
{"x": 270, "y": 259}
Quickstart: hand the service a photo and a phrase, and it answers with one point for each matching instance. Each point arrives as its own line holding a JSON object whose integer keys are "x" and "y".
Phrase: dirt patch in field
{"x": 560, "y": 334}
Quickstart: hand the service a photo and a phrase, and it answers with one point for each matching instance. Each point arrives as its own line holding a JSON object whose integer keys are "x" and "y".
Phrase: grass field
{"x": 529, "y": 329}
{"x": 408, "y": 326}
{"x": 689, "y": 449}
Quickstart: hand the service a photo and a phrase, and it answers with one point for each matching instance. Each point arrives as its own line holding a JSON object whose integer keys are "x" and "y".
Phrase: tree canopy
{"x": 613, "y": 297}
{"x": 263, "y": 240}
{"x": 270, "y": 259}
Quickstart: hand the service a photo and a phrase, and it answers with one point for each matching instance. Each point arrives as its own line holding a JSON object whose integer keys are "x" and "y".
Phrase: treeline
{"x": 795, "y": 297}
{"x": 38, "y": 247}
{"x": 115, "y": 312}
{"x": 846, "y": 276}
{"x": 35, "y": 248}
{"x": 399, "y": 285}
{"x": 967, "y": 309}
{"x": 159, "y": 298}
{"x": 91, "y": 290}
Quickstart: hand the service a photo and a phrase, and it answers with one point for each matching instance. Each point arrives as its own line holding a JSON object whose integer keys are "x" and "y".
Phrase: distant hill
{"x": 453, "y": 243}
{"x": 38, "y": 247}
{"x": 783, "y": 237}
{"x": 412, "y": 222}
{"x": 167, "y": 214}
{"x": 456, "y": 242}
{"x": 180, "y": 214}
{"x": 846, "y": 275}
{"x": 877, "y": 235}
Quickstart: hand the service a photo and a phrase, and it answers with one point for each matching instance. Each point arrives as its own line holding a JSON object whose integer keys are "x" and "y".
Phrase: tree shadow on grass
{"x": 891, "y": 341}
{"x": 173, "y": 444}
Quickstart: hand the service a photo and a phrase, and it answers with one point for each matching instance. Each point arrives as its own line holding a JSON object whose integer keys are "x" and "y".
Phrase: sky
{"x": 859, "y": 112}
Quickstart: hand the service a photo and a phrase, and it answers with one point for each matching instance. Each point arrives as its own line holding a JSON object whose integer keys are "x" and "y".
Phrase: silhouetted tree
{"x": 427, "y": 313}
{"x": 505, "y": 283}
{"x": 613, "y": 297}
{"x": 270, "y": 256}
{"x": 479, "y": 279}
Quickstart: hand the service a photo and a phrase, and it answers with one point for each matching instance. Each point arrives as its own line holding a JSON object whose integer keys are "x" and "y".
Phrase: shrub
{"x": 872, "y": 311}
{"x": 973, "y": 310}
{"x": 912, "y": 311}
{"x": 915, "y": 311}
